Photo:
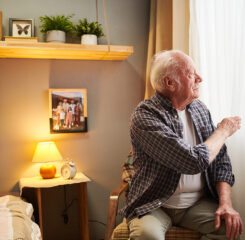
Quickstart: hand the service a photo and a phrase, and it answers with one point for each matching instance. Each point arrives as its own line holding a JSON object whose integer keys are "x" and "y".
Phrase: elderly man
{"x": 183, "y": 175}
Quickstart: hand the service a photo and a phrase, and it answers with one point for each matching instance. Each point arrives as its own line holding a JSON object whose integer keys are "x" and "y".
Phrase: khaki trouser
{"x": 199, "y": 217}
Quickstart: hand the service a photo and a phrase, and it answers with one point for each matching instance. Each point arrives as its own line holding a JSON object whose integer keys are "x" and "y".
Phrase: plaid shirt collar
{"x": 167, "y": 104}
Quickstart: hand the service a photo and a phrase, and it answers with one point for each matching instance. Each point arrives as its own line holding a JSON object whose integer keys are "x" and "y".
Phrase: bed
{"x": 16, "y": 219}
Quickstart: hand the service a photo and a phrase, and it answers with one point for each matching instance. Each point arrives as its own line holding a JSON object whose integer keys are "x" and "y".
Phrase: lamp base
{"x": 47, "y": 171}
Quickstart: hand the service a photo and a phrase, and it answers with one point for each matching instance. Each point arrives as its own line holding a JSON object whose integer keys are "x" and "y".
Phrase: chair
{"x": 121, "y": 232}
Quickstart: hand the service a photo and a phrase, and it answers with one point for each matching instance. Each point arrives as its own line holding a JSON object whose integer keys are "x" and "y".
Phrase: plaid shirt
{"x": 161, "y": 155}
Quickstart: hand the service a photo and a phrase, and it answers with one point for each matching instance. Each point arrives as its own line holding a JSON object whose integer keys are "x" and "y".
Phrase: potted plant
{"x": 89, "y": 32}
{"x": 56, "y": 27}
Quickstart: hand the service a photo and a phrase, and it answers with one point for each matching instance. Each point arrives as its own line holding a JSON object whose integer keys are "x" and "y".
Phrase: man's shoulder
{"x": 142, "y": 108}
{"x": 156, "y": 101}
{"x": 149, "y": 106}
{"x": 148, "y": 113}
{"x": 147, "y": 103}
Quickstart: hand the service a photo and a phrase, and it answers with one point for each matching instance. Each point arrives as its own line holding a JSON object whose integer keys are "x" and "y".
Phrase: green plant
{"x": 84, "y": 27}
{"x": 60, "y": 22}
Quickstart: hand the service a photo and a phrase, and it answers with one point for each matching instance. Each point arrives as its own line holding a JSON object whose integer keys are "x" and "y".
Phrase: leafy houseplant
{"x": 55, "y": 26}
{"x": 86, "y": 29}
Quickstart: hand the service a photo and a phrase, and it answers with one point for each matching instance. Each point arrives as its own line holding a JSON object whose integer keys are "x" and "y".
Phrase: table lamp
{"x": 47, "y": 152}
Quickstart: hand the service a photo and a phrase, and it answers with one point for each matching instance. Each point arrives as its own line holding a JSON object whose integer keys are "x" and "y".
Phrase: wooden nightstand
{"x": 80, "y": 180}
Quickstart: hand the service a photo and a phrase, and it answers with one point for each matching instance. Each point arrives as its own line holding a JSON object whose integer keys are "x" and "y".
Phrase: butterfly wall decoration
{"x": 19, "y": 27}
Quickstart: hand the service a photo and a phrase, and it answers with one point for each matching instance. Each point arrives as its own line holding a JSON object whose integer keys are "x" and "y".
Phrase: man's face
{"x": 188, "y": 89}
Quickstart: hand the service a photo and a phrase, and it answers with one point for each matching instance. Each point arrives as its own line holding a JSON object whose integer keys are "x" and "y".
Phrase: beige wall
{"x": 114, "y": 89}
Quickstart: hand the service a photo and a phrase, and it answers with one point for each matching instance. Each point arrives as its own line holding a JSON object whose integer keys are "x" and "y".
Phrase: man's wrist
{"x": 224, "y": 192}
{"x": 223, "y": 132}
{"x": 224, "y": 201}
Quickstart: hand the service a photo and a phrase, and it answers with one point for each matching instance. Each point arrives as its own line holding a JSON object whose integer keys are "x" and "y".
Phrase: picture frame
{"x": 68, "y": 110}
{"x": 20, "y": 27}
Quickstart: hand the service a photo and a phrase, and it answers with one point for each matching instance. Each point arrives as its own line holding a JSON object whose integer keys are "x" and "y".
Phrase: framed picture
{"x": 19, "y": 27}
{"x": 68, "y": 110}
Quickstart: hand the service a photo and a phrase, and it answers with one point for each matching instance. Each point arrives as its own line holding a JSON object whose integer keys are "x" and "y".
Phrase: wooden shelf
{"x": 63, "y": 51}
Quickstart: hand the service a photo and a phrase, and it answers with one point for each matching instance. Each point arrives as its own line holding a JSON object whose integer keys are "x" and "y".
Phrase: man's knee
{"x": 146, "y": 232}
{"x": 150, "y": 227}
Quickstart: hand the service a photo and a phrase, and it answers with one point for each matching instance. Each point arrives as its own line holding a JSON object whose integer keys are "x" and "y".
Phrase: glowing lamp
{"x": 47, "y": 152}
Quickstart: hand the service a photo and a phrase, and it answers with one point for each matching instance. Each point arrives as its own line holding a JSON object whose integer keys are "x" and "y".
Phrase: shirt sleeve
{"x": 160, "y": 143}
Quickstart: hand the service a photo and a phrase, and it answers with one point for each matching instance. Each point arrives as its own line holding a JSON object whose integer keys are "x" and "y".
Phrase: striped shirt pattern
{"x": 160, "y": 154}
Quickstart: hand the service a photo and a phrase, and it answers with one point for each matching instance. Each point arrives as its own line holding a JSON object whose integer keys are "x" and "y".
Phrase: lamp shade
{"x": 46, "y": 152}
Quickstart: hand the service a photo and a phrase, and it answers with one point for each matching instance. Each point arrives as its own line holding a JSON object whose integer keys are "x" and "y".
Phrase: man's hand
{"x": 230, "y": 125}
{"x": 226, "y": 128}
{"x": 233, "y": 221}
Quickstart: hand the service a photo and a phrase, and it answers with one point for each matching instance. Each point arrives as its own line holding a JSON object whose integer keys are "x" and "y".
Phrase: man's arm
{"x": 225, "y": 211}
{"x": 225, "y": 129}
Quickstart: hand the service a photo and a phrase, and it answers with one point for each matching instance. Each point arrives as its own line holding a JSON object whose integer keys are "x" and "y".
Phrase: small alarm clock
{"x": 68, "y": 170}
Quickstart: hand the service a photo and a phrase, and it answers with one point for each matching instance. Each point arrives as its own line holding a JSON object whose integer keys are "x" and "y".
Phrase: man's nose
{"x": 198, "y": 78}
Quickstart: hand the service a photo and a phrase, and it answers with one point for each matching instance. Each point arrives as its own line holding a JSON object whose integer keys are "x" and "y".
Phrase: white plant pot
{"x": 56, "y": 36}
{"x": 90, "y": 39}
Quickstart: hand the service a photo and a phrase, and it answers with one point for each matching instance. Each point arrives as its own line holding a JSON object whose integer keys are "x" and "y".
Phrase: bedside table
{"x": 80, "y": 180}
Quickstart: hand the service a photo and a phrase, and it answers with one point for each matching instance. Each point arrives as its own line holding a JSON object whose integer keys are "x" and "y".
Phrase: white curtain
{"x": 217, "y": 45}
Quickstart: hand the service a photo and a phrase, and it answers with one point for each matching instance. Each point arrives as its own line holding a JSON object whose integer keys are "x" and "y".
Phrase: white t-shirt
{"x": 190, "y": 188}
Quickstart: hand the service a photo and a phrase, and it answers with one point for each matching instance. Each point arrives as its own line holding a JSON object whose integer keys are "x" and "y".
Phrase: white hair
{"x": 165, "y": 63}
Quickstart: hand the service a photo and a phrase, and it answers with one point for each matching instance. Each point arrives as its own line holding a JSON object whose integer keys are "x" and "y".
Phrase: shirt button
{"x": 175, "y": 116}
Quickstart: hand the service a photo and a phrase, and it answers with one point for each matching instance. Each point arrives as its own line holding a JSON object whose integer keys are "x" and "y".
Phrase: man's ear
{"x": 169, "y": 84}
